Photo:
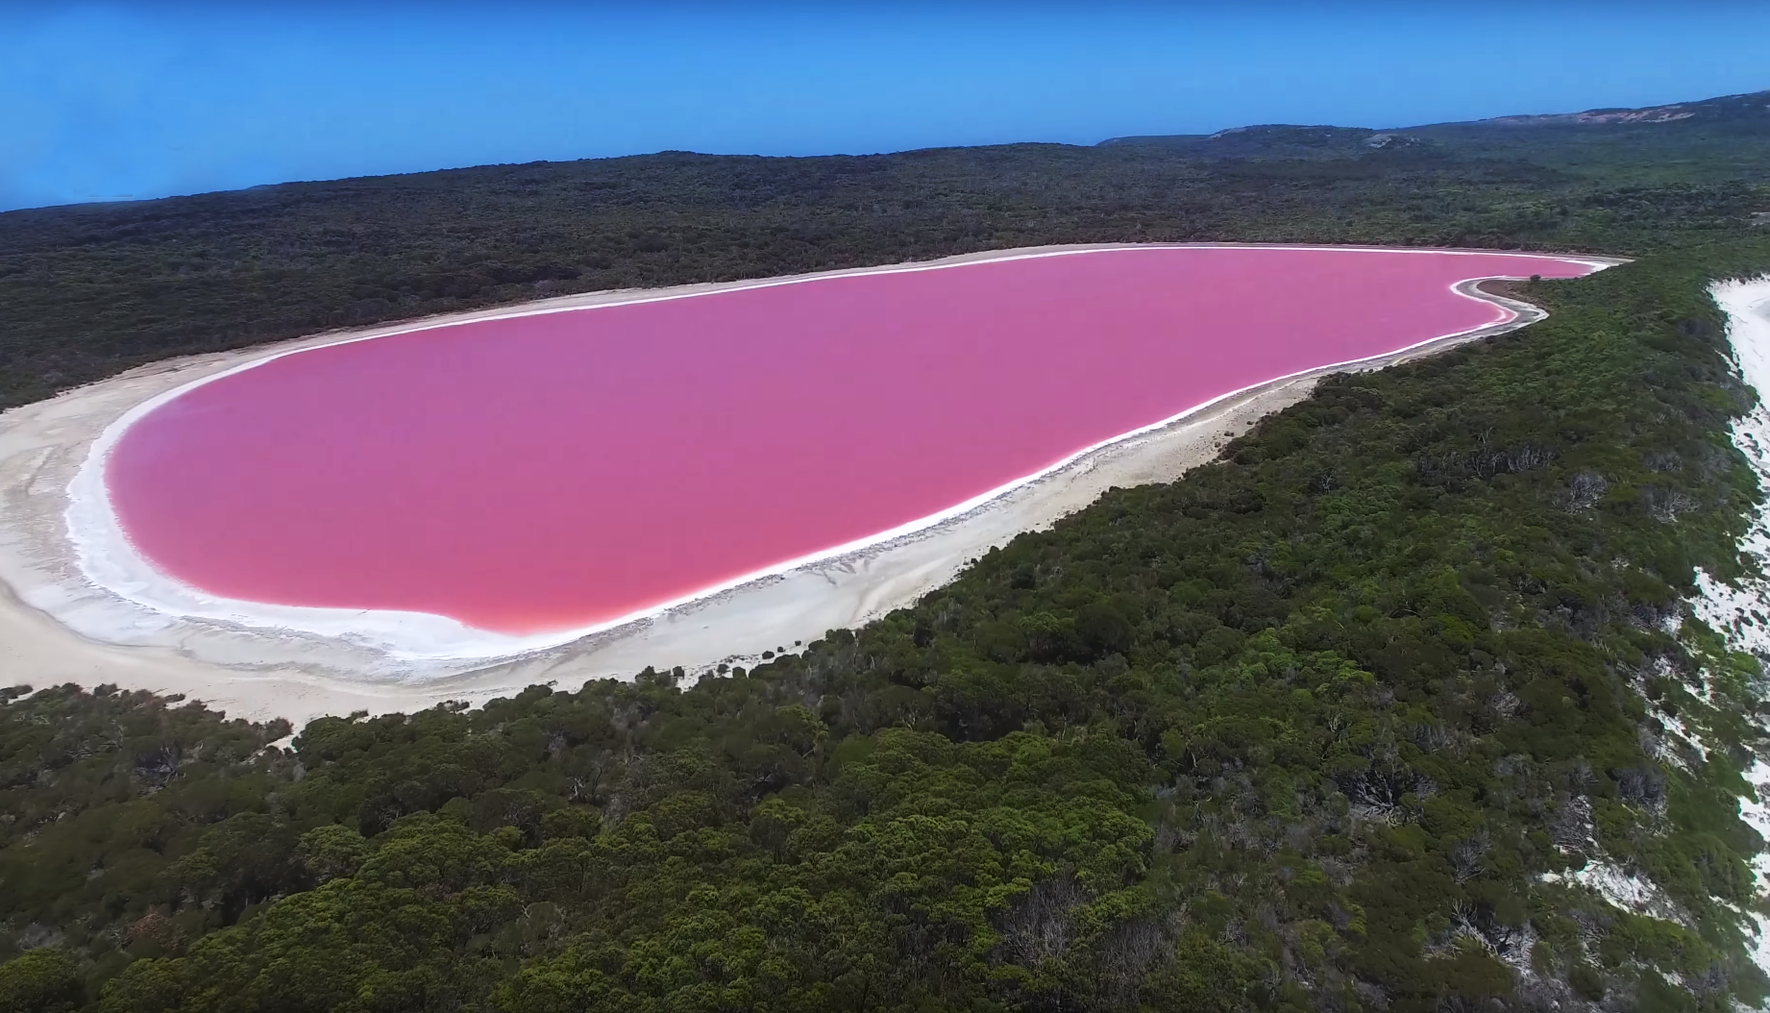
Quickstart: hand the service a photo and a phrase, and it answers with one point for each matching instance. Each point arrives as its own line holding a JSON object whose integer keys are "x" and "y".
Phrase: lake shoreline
{"x": 91, "y": 640}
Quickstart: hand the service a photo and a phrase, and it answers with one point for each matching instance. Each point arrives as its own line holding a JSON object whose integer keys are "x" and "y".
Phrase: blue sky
{"x": 113, "y": 101}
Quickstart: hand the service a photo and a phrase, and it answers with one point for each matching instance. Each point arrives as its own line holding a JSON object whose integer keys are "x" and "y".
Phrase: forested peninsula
{"x": 1333, "y": 723}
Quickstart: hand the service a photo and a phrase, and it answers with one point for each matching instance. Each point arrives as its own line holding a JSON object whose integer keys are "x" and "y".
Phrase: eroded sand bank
{"x": 57, "y": 626}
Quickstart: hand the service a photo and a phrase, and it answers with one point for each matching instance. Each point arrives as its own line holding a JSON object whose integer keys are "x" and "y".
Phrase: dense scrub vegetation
{"x": 87, "y": 291}
{"x": 1304, "y": 730}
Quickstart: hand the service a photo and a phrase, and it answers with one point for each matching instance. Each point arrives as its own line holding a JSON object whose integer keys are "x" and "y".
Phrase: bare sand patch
{"x": 57, "y": 625}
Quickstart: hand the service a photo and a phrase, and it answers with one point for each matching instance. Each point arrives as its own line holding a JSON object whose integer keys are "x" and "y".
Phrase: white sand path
{"x": 58, "y": 626}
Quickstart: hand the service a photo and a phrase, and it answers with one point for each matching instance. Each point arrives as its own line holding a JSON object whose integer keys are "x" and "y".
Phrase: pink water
{"x": 552, "y": 472}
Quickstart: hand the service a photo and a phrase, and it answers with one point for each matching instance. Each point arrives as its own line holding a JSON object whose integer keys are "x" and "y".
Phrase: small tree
{"x": 40, "y": 981}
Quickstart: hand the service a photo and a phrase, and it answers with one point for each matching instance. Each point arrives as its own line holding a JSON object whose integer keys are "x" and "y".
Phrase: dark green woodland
{"x": 1328, "y": 724}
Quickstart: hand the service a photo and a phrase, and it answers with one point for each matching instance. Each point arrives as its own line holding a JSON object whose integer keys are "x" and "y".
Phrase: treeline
{"x": 1304, "y": 730}
{"x": 90, "y": 290}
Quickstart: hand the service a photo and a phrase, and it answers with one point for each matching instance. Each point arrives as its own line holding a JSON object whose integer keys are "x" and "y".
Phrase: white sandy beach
{"x": 65, "y": 617}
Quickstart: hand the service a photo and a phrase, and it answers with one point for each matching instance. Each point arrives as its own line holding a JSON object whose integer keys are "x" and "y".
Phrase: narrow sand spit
{"x": 56, "y": 626}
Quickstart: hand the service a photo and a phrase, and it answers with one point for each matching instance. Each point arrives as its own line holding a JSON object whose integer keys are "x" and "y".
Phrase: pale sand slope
{"x": 257, "y": 675}
{"x": 1728, "y": 609}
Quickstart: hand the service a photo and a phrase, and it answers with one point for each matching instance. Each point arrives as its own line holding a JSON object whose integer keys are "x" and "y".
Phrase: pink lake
{"x": 557, "y": 471}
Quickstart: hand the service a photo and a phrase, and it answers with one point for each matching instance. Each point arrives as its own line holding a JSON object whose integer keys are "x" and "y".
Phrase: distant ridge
{"x": 1277, "y": 139}
{"x": 1752, "y": 105}
{"x": 1281, "y": 138}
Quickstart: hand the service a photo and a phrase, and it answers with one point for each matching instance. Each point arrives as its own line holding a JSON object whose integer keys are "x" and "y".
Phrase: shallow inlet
{"x": 560, "y": 471}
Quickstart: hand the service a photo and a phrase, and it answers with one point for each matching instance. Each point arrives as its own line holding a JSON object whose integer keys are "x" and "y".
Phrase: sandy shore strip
{"x": 1728, "y": 609}
{"x": 57, "y": 626}
{"x": 1736, "y": 610}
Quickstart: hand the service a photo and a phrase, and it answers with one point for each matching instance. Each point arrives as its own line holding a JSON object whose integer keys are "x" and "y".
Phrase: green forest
{"x": 1325, "y": 725}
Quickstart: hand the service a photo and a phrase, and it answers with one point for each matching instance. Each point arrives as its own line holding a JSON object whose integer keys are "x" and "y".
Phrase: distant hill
{"x": 1291, "y": 141}
{"x": 1278, "y": 140}
{"x": 1754, "y": 106}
